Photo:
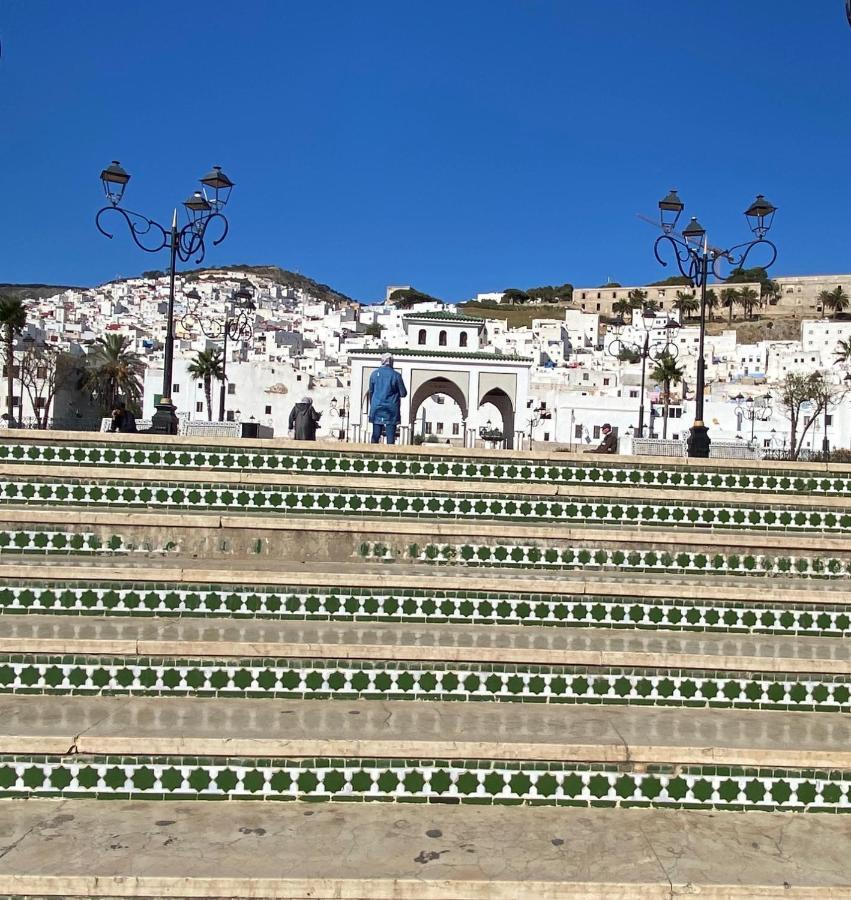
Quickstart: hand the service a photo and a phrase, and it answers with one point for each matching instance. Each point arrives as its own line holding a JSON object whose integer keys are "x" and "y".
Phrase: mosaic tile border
{"x": 354, "y": 679}
{"x": 424, "y": 781}
{"x": 65, "y": 542}
{"x": 412, "y": 605}
{"x": 188, "y": 497}
{"x": 770, "y": 480}
{"x": 603, "y": 559}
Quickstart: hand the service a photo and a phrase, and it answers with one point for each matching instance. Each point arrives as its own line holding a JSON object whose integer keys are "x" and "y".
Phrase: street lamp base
{"x": 697, "y": 444}
{"x": 164, "y": 420}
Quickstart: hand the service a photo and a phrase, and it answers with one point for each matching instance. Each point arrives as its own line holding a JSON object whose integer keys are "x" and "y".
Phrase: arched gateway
{"x": 447, "y": 362}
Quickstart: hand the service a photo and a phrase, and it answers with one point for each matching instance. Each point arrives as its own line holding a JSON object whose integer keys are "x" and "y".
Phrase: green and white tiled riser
{"x": 418, "y": 505}
{"x": 409, "y": 605}
{"x": 350, "y": 679}
{"x": 30, "y": 541}
{"x": 599, "y": 558}
{"x": 424, "y": 781}
{"x": 344, "y": 462}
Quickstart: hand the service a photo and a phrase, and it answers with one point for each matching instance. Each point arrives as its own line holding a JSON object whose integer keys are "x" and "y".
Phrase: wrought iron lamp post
{"x": 202, "y": 208}
{"x": 341, "y": 410}
{"x": 236, "y": 326}
{"x": 758, "y": 410}
{"x": 697, "y": 261}
{"x": 656, "y": 344}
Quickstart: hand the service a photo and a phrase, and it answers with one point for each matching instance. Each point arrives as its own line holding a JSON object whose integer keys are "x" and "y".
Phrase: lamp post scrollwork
{"x": 754, "y": 410}
{"x": 237, "y": 324}
{"x": 203, "y": 208}
{"x": 697, "y": 261}
{"x": 655, "y": 341}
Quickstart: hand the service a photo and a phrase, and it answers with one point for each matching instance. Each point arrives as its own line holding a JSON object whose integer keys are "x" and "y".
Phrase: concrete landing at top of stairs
{"x": 240, "y": 850}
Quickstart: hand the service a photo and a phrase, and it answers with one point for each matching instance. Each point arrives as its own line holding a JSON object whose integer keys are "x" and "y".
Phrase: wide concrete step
{"x": 484, "y": 544}
{"x": 273, "y": 590}
{"x": 395, "y": 751}
{"x": 258, "y": 639}
{"x": 407, "y": 501}
{"x": 163, "y": 848}
{"x": 394, "y": 729}
{"x": 345, "y": 660}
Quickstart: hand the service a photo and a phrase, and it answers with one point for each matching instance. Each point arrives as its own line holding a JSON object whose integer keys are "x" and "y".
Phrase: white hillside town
{"x": 471, "y": 379}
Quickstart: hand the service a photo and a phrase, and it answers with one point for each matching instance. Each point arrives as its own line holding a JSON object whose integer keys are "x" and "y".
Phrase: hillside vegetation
{"x": 515, "y": 316}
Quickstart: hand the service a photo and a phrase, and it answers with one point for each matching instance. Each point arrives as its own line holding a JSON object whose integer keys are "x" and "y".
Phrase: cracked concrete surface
{"x": 183, "y": 849}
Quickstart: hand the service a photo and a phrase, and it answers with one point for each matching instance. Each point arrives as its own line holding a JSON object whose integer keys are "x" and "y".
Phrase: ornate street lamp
{"x": 754, "y": 411}
{"x": 657, "y": 343}
{"x": 342, "y": 411}
{"x": 237, "y": 324}
{"x": 697, "y": 261}
{"x": 202, "y": 207}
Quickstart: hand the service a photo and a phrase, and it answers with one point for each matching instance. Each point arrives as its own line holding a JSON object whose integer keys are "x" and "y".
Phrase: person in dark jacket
{"x": 304, "y": 420}
{"x": 386, "y": 390}
{"x": 609, "y": 444}
{"x": 122, "y": 420}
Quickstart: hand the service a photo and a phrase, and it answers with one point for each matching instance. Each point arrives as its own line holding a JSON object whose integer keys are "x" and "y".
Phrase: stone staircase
{"x": 657, "y": 651}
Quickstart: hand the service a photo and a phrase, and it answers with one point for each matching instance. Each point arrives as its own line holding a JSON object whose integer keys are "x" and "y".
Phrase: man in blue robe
{"x": 386, "y": 390}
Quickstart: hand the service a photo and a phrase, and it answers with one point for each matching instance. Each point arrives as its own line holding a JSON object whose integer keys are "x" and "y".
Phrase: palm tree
{"x": 837, "y": 300}
{"x": 637, "y": 298}
{"x": 13, "y": 317}
{"x": 622, "y": 308}
{"x": 686, "y": 303}
{"x": 207, "y": 365}
{"x": 711, "y": 303}
{"x": 113, "y": 371}
{"x": 666, "y": 373}
{"x": 747, "y": 299}
{"x": 729, "y": 298}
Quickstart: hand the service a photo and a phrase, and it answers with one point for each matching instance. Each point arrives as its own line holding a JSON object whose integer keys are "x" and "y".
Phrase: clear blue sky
{"x": 457, "y": 145}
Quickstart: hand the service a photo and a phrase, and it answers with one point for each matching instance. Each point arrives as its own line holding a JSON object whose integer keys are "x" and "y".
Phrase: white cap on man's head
{"x": 387, "y": 359}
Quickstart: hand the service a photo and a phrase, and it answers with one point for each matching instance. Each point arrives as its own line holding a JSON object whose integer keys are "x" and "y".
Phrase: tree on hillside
{"x": 711, "y": 303}
{"x": 666, "y": 373}
{"x": 405, "y": 298}
{"x": 514, "y": 296}
{"x": 114, "y": 372}
{"x": 13, "y": 318}
{"x": 637, "y": 298}
{"x": 729, "y": 298}
{"x": 686, "y": 303}
{"x": 207, "y": 365}
{"x": 837, "y": 300}
{"x": 748, "y": 298}
{"x": 551, "y": 293}
{"x": 806, "y": 396}
{"x": 622, "y": 308}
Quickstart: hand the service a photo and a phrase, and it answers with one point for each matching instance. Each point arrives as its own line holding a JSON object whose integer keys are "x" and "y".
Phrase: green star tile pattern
{"x": 244, "y": 498}
{"x": 352, "y": 679}
{"x": 65, "y": 542}
{"x": 413, "y": 605}
{"x": 601, "y": 558}
{"x": 424, "y": 781}
{"x": 772, "y": 479}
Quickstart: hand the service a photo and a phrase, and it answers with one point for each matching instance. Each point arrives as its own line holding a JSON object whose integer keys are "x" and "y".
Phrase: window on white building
{"x": 268, "y": 410}
{"x": 199, "y": 407}
{"x": 596, "y": 432}
{"x": 462, "y": 341}
{"x": 577, "y": 431}
{"x": 231, "y": 389}
{"x": 427, "y": 427}
{"x": 440, "y": 427}
{"x": 421, "y": 337}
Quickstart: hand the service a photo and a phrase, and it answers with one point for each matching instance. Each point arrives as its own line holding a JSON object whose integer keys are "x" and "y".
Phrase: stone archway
{"x": 498, "y": 398}
{"x": 437, "y": 385}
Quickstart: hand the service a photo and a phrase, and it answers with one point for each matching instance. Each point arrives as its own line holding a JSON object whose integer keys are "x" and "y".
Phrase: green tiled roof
{"x": 446, "y": 317}
{"x": 445, "y": 353}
